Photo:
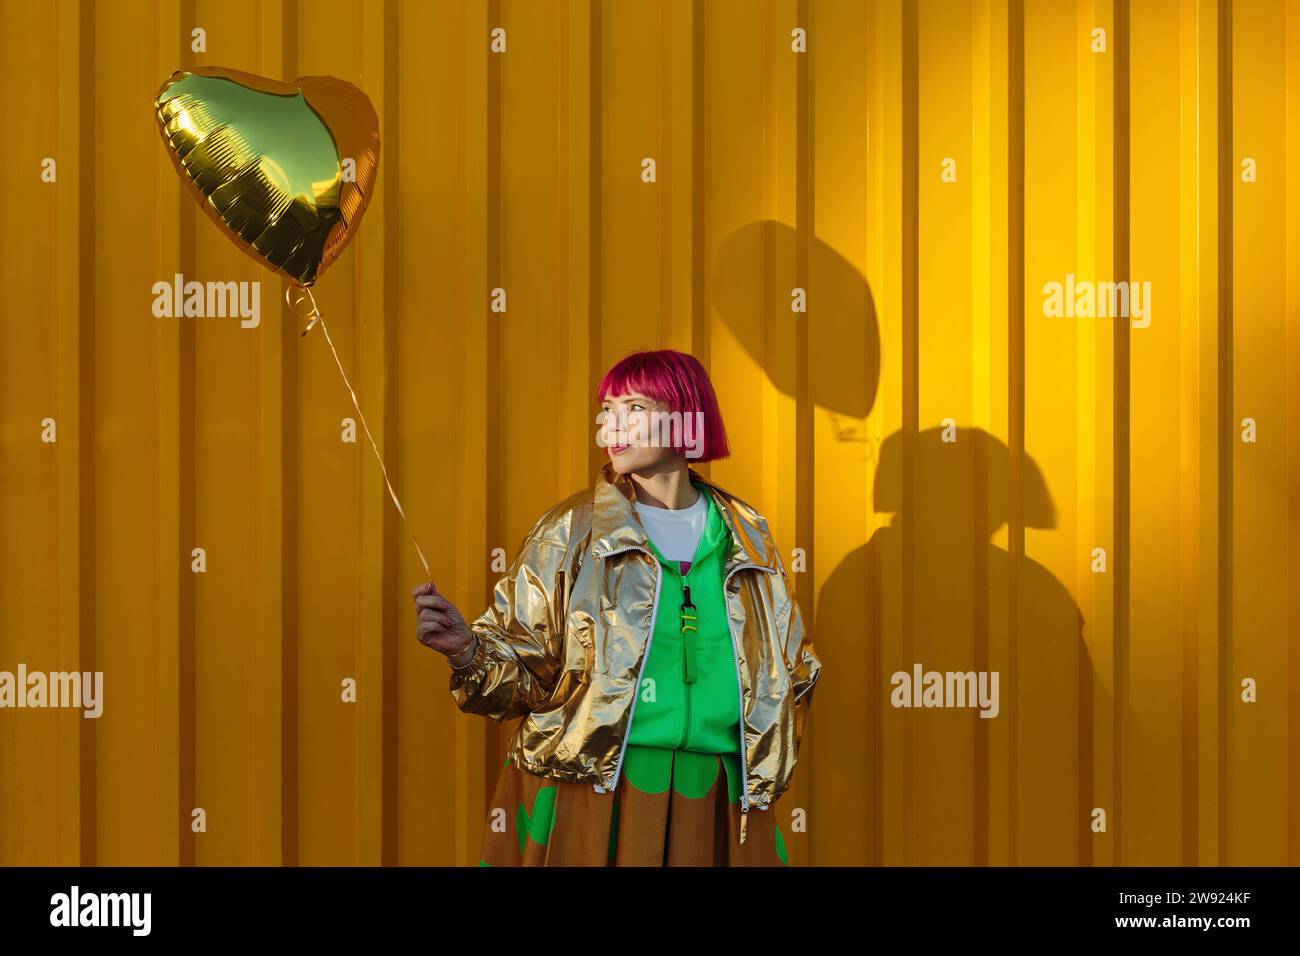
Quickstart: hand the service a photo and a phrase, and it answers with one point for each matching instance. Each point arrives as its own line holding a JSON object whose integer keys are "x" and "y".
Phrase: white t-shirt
{"x": 675, "y": 533}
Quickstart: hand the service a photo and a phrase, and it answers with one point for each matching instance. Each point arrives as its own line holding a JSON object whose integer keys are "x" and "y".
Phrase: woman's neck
{"x": 667, "y": 488}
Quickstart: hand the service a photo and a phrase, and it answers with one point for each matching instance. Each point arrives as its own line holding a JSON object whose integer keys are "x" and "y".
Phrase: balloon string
{"x": 318, "y": 316}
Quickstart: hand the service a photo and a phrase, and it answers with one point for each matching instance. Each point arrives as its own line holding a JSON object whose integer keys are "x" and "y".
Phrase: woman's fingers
{"x": 439, "y": 603}
{"x": 437, "y": 622}
{"x": 433, "y": 634}
{"x": 429, "y": 614}
{"x": 432, "y": 626}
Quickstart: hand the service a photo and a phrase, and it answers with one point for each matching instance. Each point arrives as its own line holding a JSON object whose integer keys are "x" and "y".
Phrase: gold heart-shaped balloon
{"x": 285, "y": 169}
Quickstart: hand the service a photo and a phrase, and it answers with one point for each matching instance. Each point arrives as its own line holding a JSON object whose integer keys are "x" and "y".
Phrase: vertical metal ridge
{"x": 75, "y": 470}
{"x": 876, "y": 654}
{"x": 981, "y": 533}
{"x": 576, "y": 195}
{"x": 176, "y": 445}
{"x": 265, "y": 761}
{"x": 188, "y": 465}
{"x": 666, "y": 170}
{"x": 289, "y": 634}
{"x": 1292, "y": 144}
{"x": 805, "y": 477}
{"x": 1016, "y": 383}
{"x": 909, "y": 317}
{"x": 1122, "y": 402}
{"x": 596, "y": 207}
{"x": 573, "y": 358}
{"x": 478, "y": 489}
{"x": 88, "y": 753}
{"x": 494, "y": 380}
{"x": 393, "y": 542}
{"x": 369, "y": 638}
{"x": 805, "y": 233}
{"x": 275, "y": 718}
{"x": 1087, "y": 79}
{"x": 701, "y": 287}
{"x": 170, "y": 830}
{"x": 1226, "y": 426}
{"x": 1189, "y": 484}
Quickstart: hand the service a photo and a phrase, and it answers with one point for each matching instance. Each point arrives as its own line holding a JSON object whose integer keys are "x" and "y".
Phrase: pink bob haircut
{"x": 678, "y": 381}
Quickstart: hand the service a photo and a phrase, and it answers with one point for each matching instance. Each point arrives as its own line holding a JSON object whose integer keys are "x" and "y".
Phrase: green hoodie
{"x": 690, "y": 697}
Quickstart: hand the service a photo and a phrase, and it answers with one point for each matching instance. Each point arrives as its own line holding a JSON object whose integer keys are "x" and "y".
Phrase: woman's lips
{"x": 617, "y": 449}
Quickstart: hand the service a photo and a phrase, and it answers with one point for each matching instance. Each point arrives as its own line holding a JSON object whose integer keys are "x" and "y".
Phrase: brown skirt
{"x": 671, "y": 808}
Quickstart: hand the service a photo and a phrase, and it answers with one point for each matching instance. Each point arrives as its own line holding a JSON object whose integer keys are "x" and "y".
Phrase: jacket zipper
{"x": 740, "y": 690}
{"x": 686, "y": 603}
{"x": 636, "y": 691}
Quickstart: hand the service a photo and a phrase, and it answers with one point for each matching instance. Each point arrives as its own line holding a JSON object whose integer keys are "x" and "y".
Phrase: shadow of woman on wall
{"x": 932, "y": 587}
{"x": 979, "y": 792}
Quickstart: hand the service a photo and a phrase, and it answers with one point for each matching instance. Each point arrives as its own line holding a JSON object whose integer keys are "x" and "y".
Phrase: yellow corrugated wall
{"x": 921, "y": 171}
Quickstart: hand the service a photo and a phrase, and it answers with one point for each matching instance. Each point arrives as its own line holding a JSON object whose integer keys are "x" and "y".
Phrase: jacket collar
{"x": 615, "y": 526}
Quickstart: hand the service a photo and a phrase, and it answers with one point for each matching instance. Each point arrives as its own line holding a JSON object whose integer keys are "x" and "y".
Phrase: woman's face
{"x": 630, "y": 434}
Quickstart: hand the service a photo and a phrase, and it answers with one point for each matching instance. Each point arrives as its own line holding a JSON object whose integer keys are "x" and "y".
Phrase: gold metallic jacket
{"x": 564, "y": 642}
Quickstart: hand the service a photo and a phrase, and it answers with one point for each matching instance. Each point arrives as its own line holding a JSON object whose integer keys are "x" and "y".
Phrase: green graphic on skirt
{"x": 539, "y": 825}
{"x": 650, "y": 770}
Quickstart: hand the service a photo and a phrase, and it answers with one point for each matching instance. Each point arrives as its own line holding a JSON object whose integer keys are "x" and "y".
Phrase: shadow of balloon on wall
{"x": 843, "y": 334}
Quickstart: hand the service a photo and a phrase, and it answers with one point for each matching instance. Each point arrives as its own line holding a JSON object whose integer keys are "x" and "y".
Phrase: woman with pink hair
{"x": 647, "y": 638}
